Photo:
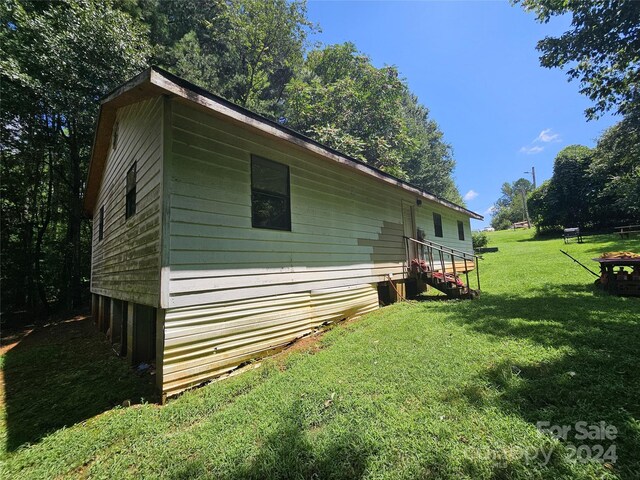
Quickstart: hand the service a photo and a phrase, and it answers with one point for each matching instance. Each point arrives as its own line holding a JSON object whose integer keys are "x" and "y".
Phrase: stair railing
{"x": 441, "y": 252}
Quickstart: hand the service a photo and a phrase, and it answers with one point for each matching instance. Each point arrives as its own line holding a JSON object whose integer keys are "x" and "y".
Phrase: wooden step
{"x": 449, "y": 288}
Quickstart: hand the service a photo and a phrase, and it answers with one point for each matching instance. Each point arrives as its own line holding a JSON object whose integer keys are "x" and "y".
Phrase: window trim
{"x": 130, "y": 202}
{"x": 461, "y": 230}
{"x": 287, "y": 197}
{"x": 437, "y": 224}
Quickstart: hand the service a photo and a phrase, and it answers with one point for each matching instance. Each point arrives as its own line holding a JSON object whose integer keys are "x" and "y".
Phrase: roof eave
{"x": 155, "y": 81}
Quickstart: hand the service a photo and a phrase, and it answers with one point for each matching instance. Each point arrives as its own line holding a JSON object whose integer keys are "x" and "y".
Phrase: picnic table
{"x": 623, "y": 281}
{"x": 625, "y": 230}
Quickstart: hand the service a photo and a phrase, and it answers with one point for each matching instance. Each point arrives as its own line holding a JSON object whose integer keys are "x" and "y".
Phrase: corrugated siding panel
{"x": 126, "y": 262}
{"x": 205, "y": 341}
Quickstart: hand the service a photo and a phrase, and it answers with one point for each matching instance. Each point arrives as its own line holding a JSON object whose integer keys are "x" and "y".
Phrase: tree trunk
{"x": 73, "y": 291}
{"x": 42, "y": 229}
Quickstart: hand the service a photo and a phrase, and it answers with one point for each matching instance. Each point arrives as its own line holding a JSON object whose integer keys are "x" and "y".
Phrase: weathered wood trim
{"x": 165, "y": 199}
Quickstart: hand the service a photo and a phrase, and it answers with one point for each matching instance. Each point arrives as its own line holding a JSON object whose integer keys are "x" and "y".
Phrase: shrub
{"x": 479, "y": 240}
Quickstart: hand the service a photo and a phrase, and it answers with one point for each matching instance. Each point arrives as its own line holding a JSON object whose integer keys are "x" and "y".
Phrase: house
{"x": 219, "y": 235}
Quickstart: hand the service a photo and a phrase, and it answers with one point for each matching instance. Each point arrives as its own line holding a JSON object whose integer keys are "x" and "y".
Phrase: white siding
{"x": 450, "y": 220}
{"x": 126, "y": 262}
{"x": 346, "y": 227}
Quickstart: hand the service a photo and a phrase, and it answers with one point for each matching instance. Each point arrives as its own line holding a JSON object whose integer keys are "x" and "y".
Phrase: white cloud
{"x": 490, "y": 210}
{"x": 532, "y": 149}
{"x": 547, "y": 136}
{"x": 470, "y": 195}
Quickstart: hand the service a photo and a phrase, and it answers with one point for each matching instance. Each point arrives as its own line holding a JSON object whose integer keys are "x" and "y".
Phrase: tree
{"x": 342, "y": 100}
{"x": 428, "y": 160}
{"x": 567, "y": 198}
{"x": 510, "y": 207}
{"x": 339, "y": 98}
{"x": 615, "y": 175}
{"x": 600, "y": 50}
{"x": 539, "y": 208}
{"x": 60, "y": 58}
{"x": 246, "y": 51}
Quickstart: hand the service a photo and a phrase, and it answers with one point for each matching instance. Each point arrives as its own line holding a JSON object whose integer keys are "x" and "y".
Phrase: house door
{"x": 409, "y": 227}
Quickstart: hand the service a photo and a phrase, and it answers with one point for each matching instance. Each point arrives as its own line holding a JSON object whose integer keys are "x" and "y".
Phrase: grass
{"x": 415, "y": 390}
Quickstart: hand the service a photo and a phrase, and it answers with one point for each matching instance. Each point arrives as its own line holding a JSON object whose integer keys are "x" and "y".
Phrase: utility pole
{"x": 533, "y": 174}
{"x": 526, "y": 209}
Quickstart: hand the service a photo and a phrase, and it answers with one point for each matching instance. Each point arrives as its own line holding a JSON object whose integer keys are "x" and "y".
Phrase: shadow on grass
{"x": 294, "y": 451}
{"x": 595, "y": 380}
{"x": 61, "y": 374}
{"x": 542, "y": 238}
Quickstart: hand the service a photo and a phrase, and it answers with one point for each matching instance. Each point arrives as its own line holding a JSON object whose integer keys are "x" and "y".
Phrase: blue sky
{"x": 475, "y": 66}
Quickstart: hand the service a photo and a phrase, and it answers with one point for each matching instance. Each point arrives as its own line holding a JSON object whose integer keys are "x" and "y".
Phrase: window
{"x": 437, "y": 224}
{"x": 460, "y": 230}
{"x": 270, "y": 199}
{"x": 101, "y": 224}
{"x": 130, "y": 208}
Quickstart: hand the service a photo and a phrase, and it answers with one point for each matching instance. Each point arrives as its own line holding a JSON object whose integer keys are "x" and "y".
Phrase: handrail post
{"x": 431, "y": 262}
{"x": 466, "y": 272}
{"x": 406, "y": 257}
{"x": 453, "y": 262}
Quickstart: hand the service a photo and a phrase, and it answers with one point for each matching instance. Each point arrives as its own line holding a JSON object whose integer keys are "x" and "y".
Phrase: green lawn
{"x": 423, "y": 389}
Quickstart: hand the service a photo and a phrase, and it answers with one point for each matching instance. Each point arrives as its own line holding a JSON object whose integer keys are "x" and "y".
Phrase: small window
{"x": 101, "y": 224}
{"x": 437, "y": 224}
{"x": 131, "y": 192}
{"x": 270, "y": 199}
{"x": 460, "y": 230}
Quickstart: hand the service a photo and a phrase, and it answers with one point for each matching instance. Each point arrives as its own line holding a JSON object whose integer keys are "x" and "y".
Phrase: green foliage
{"x": 600, "y": 49}
{"x": 592, "y": 188}
{"x": 509, "y": 208}
{"x": 246, "y": 51}
{"x": 565, "y": 200}
{"x": 59, "y": 59}
{"x": 615, "y": 173}
{"x": 445, "y": 390}
{"x": 349, "y": 102}
{"x": 341, "y": 99}
{"x": 479, "y": 240}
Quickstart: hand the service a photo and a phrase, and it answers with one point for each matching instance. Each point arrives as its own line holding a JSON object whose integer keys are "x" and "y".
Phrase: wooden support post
{"x": 117, "y": 316}
{"x": 95, "y": 299}
{"x": 101, "y": 319}
{"x": 130, "y": 339}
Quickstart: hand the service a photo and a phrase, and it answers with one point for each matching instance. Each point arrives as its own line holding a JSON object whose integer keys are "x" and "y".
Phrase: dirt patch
{"x": 307, "y": 344}
{"x": 10, "y": 339}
